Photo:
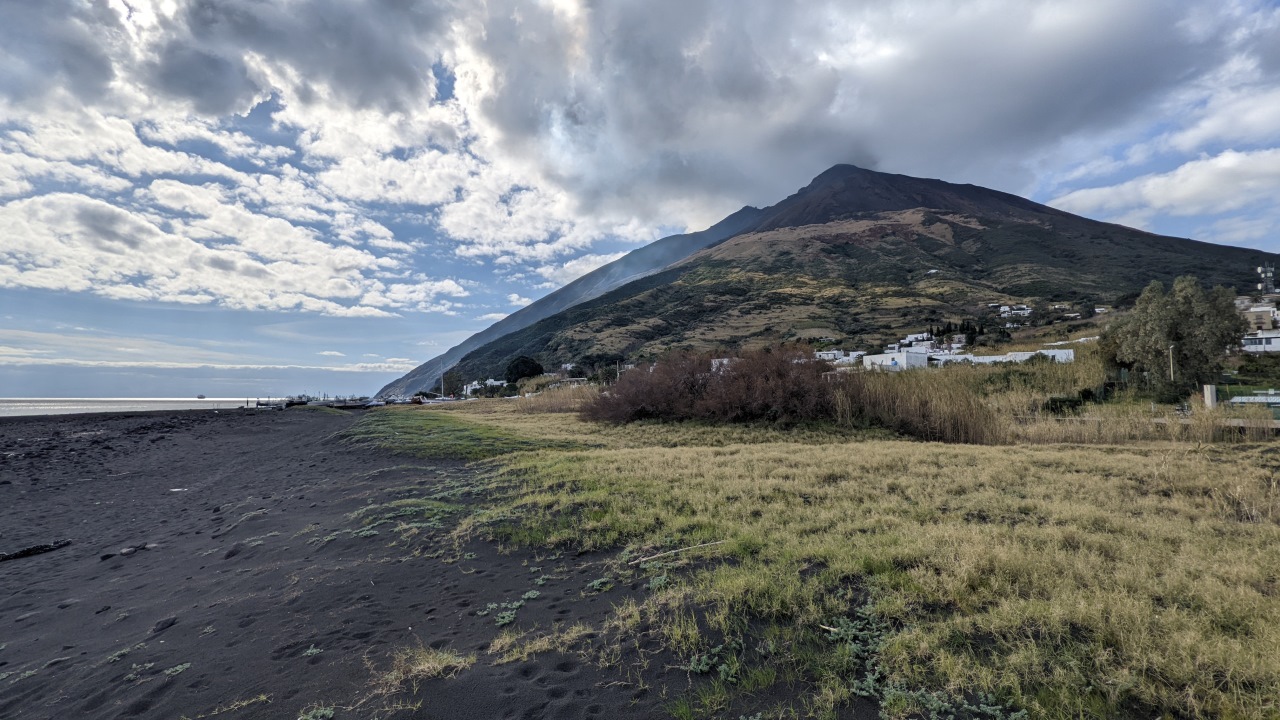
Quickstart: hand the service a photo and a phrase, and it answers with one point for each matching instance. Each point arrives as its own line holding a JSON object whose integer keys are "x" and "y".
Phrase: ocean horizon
{"x": 18, "y": 407}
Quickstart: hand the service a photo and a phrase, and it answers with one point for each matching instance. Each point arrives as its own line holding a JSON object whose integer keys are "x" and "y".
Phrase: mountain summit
{"x": 856, "y": 255}
{"x": 848, "y": 190}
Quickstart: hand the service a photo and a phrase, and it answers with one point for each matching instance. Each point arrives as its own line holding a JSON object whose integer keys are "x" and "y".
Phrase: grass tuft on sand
{"x": 409, "y": 666}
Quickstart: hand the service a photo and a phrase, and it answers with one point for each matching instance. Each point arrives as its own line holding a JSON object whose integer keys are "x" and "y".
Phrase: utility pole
{"x": 1171, "y": 346}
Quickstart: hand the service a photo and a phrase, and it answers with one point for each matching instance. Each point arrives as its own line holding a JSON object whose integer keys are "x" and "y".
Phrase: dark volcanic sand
{"x": 239, "y": 598}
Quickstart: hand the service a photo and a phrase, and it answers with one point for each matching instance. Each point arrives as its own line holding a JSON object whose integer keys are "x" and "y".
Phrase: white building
{"x": 896, "y": 361}
{"x": 1062, "y": 356}
{"x": 471, "y": 388}
{"x": 1007, "y": 311}
{"x": 1262, "y": 341}
{"x": 839, "y": 358}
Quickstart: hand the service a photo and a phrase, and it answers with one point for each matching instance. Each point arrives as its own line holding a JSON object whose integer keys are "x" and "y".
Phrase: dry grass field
{"x": 1133, "y": 571}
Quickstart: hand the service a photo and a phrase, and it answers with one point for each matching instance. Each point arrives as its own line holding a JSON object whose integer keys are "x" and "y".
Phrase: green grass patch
{"x": 429, "y": 433}
{"x": 322, "y": 409}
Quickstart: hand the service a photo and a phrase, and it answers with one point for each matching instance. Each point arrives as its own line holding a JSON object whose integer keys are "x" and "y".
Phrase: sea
{"x": 11, "y": 407}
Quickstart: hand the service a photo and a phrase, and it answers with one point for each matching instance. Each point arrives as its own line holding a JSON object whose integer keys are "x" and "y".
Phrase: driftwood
{"x": 673, "y": 552}
{"x": 34, "y": 550}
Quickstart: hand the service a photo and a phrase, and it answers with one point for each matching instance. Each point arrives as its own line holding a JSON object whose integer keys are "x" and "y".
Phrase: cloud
{"x": 331, "y": 353}
{"x": 402, "y": 365}
{"x": 209, "y": 251}
{"x": 268, "y": 155}
{"x": 59, "y": 43}
{"x": 564, "y": 273}
{"x": 492, "y": 317}
{"x": 104, "y": 350}
{"x": 516, "y": 299}
{"x": 1213, "y": 185}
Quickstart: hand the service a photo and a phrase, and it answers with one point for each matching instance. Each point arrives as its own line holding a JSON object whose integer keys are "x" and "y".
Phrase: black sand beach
{"x": 211, "y": 571}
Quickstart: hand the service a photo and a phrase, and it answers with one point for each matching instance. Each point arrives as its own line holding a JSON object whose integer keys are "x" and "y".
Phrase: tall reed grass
{"x": 558, "y": 399}
{"x": 920, "y": 404}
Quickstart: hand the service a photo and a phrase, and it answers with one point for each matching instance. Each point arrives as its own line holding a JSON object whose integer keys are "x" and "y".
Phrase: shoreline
{"x": 111, "y": 414}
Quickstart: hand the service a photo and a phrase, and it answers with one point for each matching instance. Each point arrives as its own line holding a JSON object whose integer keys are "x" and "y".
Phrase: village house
{"x": 1061, "y": 356}
{"x": 1262, "y": 341}
{"x": 839, "y": 358}
{"x": 1261, "y": 317}
{"x": 895, "y": 361}
{"x": 473, "y": 387}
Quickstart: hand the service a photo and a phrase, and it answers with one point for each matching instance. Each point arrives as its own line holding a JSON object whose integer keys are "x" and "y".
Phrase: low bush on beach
{"x": 779, "y": 386}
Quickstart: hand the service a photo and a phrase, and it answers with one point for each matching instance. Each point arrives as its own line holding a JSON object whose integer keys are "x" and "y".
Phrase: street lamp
{"x": 1171, "y": 346}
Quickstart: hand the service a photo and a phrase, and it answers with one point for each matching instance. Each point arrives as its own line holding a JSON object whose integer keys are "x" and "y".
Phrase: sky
{"x": 266, "y": 197}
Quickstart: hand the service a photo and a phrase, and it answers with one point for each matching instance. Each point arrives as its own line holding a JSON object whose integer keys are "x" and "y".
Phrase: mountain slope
{"x": 632, "y": 266}
{"x": 862, "y": 256}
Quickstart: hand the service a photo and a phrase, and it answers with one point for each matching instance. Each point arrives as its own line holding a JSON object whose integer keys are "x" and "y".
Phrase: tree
{"x": 451, "y": 383}
{"x": 1186, "y": 327}
{"x": 522, "y": 367}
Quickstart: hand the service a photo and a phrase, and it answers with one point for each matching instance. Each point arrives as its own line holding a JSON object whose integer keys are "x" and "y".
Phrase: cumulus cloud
{"x": 210, "y": 251}
{"x": 564, "y": 273}
{"x": 516, "y": 299}
{"x": 1213, "y": 185}
{"x": 331, "y": 353}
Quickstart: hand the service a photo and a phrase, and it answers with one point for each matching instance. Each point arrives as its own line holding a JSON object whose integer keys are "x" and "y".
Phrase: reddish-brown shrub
{"x": 773, "y": 385}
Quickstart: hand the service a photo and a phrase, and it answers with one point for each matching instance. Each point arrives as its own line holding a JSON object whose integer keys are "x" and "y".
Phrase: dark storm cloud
{"x": 638, "y": 101}
{"x": 371, "y": 53}
{"x": 215, "y": 85}
{"x": 997, "y": 88}
{"x": 752, "y": 99}
{"x": 59, "y": 43}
